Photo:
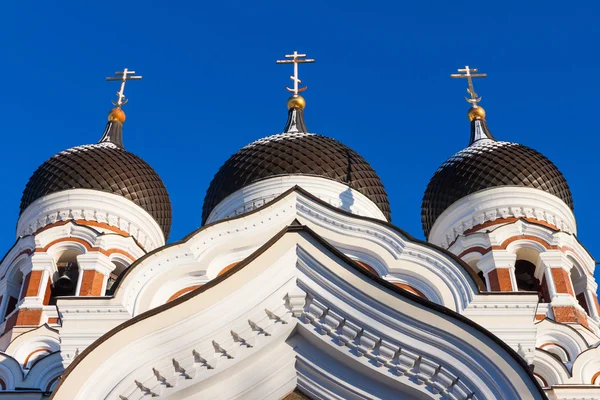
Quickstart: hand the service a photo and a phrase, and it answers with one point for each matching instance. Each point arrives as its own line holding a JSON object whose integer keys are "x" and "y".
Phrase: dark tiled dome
{"x": 296, "y": 153}
{"x": 105, "y": 166}
{"x": 488, "y": 163}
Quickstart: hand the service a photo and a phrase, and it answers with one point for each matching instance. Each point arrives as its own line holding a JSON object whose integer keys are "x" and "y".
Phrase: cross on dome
{"x": 467, "y": 73}
{"x": 123, "y": 76}
{"x": 296, "y": 59}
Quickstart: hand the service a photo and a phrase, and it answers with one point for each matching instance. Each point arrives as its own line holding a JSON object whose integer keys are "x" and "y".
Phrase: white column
{"x": 95, "y": 261}
{"x": 498, "y": 259}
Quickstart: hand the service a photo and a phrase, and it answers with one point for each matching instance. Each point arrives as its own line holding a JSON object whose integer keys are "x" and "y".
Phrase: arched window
{"x": 65, "y": 279}
{"x": 13, "y": 290}
{"x": 527, "y": 282}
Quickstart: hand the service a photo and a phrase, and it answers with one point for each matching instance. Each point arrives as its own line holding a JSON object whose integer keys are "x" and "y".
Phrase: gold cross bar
{"x": 296, "y": 59}
{"x": 123, "y": 76}
{"x": 467, "y": 73}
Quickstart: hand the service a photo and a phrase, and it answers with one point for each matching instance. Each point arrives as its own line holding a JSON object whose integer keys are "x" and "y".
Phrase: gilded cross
{"x": 467, "y": 73}
{"x": 296, "y": 59}
{"x": 123, "y": 76}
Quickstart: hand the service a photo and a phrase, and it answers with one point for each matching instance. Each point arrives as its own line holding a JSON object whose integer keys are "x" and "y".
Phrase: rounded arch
{"x": 30, "y": 350}
{"x": 557, "y": 350}
{"x": 542, "y": 382}
{"x": 35, "y": 356}
{"x": 121, "y": 263}
{"x": 418, "y": 285}
{"x": 549, "y": 368}
{"x": 10, "y": 372}
{"x": 587, "y": 365}
{"x": 227, "y": 268}
{"x": 183, "y": 291}
{"x": 73, "y": 245}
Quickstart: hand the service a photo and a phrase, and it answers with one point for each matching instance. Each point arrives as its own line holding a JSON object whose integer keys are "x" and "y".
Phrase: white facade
{"x": 299, "y": 283}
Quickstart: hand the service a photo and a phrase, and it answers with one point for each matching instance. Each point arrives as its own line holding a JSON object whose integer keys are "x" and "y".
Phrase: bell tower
{"x": 87, "y": 213}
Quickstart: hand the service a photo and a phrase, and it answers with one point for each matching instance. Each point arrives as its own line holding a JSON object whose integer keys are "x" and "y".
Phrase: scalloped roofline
{"x": 296, "y": 227}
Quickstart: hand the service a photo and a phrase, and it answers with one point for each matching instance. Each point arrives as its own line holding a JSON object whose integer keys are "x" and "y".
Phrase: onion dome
{"x": 296, "y": 152}
{"x": 488, "y": 163}
{"x": 105, "y": 166}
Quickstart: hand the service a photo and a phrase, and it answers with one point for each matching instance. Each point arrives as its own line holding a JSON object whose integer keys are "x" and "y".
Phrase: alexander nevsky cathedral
{"x": 298, "y": 285}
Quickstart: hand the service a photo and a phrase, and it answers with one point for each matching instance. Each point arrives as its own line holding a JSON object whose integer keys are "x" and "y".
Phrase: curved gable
{"x": 299, "y": 289}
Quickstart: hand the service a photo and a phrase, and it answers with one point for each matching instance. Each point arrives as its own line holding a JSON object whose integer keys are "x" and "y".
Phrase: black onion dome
{"x": 485, "y": 164}
{"x": 296, "y": 152}
{"x": 105, "y": 166}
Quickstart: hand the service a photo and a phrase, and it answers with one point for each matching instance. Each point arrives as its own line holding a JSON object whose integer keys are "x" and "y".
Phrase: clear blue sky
{"x": 381, "y": 85}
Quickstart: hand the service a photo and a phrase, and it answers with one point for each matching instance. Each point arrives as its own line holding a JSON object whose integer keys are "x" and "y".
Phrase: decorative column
{"x": 35, "y": 291}
{"x": 554, "y": 271}
{"x": 592, "y": 300}
{"x": 498, "y": 267}
{"x": 94, "y": 270}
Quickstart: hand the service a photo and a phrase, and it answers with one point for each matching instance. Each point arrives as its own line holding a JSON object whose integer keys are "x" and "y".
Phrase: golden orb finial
{"x": 116, "y": 114}
{"x": 296, "y": 101}
{"x": 476, "y": 112}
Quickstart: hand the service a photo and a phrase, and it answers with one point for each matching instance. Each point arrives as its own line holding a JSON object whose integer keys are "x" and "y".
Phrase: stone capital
{"x": 496, "y": 259}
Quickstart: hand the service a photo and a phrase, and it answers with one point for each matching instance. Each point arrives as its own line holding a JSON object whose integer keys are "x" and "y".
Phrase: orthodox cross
{"x": 123, "y": 76}
{"x": 467, "y": 73}
{"x": 296, "y": 59}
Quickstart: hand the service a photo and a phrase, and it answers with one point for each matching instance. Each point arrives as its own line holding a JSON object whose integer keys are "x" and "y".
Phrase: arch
{"x": 64, "y": 280}
{"x": 367, "y": 267}
{"x": 553, "y": 371}
{"x": 52, "y": 384}
{"x": 183, "y": 291}
{"x": 557, "y": 350}
{"x": 10, "y": 371}
{"x": 586, "y": 366}
{"x": 58, "y": 246}
{"x": 34, "y": 356}
{"x": 227, "y": 268}
{"x": 410, "y": 289}
{"x": 543, "y": 383}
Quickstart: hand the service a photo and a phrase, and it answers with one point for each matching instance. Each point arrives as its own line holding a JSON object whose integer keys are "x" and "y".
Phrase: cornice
{"x": 92, "y": 205}
{"x": 500, "y": 202}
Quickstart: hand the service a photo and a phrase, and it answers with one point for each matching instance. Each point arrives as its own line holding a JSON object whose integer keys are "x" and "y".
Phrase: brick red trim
{"x": 510, "y": 220}
{"x": 91, "y": 283}
{"x": 32, "y": 286}
{"x": 557, "y": 345}
{"x": 84, "y": 222}
{"x": 368, "y": 268}
{"x": 88, "y": 247}
{"x": 50, "y": 383}
{"x": 28, "y": 317}
{"x": 508, "y": 241}
{"x": 227, "y": 268}
{"x": 475, "y": 249}
{"x": 182, "y": 292}
{"x": 32, "y": 353}
{"x": 410, "y": 289}
{"x": 541, "y": 379}
{"x": 24, "y": 286}
{"x": 500, "y": 280}
{"x": 562, "y": 281}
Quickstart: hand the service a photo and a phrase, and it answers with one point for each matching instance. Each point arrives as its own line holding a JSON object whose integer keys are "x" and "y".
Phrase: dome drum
{"x": 261, "y": 192}
{"x": 501, "y": 203}
{"x": 295, "y": 153}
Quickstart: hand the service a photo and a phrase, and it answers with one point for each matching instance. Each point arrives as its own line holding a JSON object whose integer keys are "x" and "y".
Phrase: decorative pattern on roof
{"x": 106, "y": 167}
{"x": 488, "y": 163}
{"x": 293, "y": 154}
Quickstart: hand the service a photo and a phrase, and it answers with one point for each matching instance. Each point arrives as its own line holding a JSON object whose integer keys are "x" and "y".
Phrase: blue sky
{"x": 381, "y": 85}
